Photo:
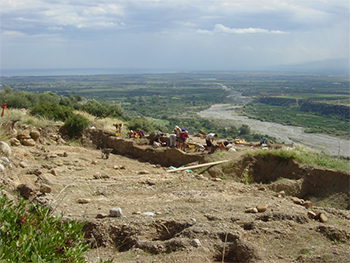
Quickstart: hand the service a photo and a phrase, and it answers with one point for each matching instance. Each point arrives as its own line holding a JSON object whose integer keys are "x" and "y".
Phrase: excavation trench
{"x": 303, "y": 182}
{"x": 277, "y": 172}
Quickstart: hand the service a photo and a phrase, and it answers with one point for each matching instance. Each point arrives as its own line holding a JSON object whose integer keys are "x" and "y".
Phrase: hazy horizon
{"x": 323, "y": 67}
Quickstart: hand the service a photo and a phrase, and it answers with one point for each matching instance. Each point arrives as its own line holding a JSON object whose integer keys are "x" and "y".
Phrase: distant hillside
{"x": 330, "y": 66}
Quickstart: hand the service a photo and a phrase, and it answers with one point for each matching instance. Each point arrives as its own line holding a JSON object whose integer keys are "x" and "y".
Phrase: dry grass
{"x": 25, "y": 118}
{"x": 104, "y": 123}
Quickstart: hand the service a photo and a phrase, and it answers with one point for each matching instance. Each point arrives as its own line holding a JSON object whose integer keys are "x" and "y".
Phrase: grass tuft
{"x": 310, "y": 158}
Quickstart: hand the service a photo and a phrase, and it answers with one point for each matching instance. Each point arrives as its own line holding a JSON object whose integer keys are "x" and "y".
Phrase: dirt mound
{"x": 304, "y": 182}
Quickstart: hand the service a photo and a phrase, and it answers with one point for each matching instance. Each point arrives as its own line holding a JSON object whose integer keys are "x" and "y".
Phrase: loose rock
{"x": 196, "y": 243}
{"x": 323, "y": 218}
{"x": 28, "y": 142}
{"x": 148, "y": 214}
{"x": 26, "y": 190}
{"x": 308, "y": 204}
{"x": 143, "y": 172}
{"x": 84, "y": 200}
{"x": 35, "y": 135}
{"x": 45, "y": 189}
{"x": 115, "y": 212}
{"x": 15, "y": 142}
{"x": 261, "y": 207}
{"x": 5, "y": 149}
{"x": 311, "y": 214}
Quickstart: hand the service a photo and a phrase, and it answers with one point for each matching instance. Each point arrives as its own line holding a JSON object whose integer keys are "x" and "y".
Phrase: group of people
{"x": 177, "y": 139}
{"x": 180, "y": 135}
{"x": 133, "y": 134}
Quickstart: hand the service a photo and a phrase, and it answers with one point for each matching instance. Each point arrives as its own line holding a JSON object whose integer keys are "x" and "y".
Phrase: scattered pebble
{"x": 196, "y": 243}
{"x": 115, "y": 212}
{"x": 84, "y": 200}
{"x": 148, "y": 214}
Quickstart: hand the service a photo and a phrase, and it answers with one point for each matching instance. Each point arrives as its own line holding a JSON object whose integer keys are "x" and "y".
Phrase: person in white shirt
{"x": 209, "y": 141}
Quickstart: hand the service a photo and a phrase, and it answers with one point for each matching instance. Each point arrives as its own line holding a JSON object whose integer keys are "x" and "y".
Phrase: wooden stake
{"x": 196, "y": 166}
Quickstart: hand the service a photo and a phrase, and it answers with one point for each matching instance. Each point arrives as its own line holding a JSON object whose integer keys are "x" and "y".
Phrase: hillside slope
{"x": 136, "y": 211}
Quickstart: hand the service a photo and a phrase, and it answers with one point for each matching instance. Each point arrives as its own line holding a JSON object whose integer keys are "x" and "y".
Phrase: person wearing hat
{"x": 177, "y": 131}
{"x": 209, "y": 141}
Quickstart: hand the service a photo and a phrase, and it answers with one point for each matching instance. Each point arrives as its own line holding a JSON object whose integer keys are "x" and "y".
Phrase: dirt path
{"x": 287, "y": 134}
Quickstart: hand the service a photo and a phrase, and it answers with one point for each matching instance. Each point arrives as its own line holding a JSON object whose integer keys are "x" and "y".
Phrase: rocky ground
{"x": 138, "y": 211}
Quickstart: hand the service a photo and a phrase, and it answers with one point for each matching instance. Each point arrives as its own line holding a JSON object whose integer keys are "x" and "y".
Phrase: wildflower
{"x": 22, "y": 220}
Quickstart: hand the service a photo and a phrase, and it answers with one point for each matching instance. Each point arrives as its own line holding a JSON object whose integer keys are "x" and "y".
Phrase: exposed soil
{"x": 199, "y": 215}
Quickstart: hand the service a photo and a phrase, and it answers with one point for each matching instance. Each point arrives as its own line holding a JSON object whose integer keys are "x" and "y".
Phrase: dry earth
{"x": 198, "y": 216}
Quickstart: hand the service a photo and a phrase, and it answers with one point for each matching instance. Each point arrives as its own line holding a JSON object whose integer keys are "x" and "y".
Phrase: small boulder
{"x": 115, "y": 212}
{"x": 143, "y": 172}
{"x": 45, "y": 189}
{"x": 297, "y": 201}
{"x": 308, "y": 204}
{"x": 84, "y": 200}
{"x": 15, "y": 142}
{"x": 28, "y": 142}
{"x": 35, "y": 135}
{"x": 148, "y": 214}
{"x": 5, "y": 149}
{"x": 5, "y": 161}
{"x": 323, "y": 218}
{"x": 26, "y": 190}
{"x": 99, "y": 175}
{"x": 100, "y": 216}
{"x": 261, "y": 207}
{"x": 280, "y": 194}
{"x": 195, "y": 242}
{"x": 249, "y": 210}
{"x": 23, "y": 164}
{"x": 311, "y": 214}
{"x": 22, "y": 135}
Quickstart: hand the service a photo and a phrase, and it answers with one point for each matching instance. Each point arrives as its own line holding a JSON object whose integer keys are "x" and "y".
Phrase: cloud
{"x": 177, "y": 33}
{"x": 220, "y": 29}
{"x": 55, "y": 28}
{"x": 12, "y": 34}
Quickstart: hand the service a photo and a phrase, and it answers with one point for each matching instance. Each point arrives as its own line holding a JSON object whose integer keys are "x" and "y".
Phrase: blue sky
{"x": 171, "y": 34}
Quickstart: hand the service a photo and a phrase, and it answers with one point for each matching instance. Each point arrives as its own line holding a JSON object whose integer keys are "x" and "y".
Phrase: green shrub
{"x": 52, "y": 111}
{"x": 141, "y": 123}
{"x": 75, "y": 125}
{"x": 30, "y": 234}
{"x": 103, "y": 109}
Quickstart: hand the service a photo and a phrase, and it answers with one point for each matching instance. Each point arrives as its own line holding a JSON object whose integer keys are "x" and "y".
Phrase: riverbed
{"x": 284, "y": 134}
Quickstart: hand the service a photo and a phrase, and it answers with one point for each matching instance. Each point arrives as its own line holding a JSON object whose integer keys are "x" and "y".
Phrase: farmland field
{"x": 320, "y": 103}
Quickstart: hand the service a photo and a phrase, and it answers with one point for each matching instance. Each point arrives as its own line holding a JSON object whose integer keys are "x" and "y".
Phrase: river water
{"x": 287, "y": 134}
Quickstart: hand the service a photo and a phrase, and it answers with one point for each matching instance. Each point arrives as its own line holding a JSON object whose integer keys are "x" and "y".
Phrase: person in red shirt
{"x": 182, "y": 140}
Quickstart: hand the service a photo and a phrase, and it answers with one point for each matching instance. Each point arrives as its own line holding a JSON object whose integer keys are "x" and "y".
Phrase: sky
{"x": 179, "y": 35}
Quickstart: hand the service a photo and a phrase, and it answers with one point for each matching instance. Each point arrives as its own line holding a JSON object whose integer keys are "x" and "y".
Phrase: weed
{"x": 306, "y": 251}
{"x": 30, "y": 234}
{"x": 310, "y": 158}
{"x": 246, "y": 177}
